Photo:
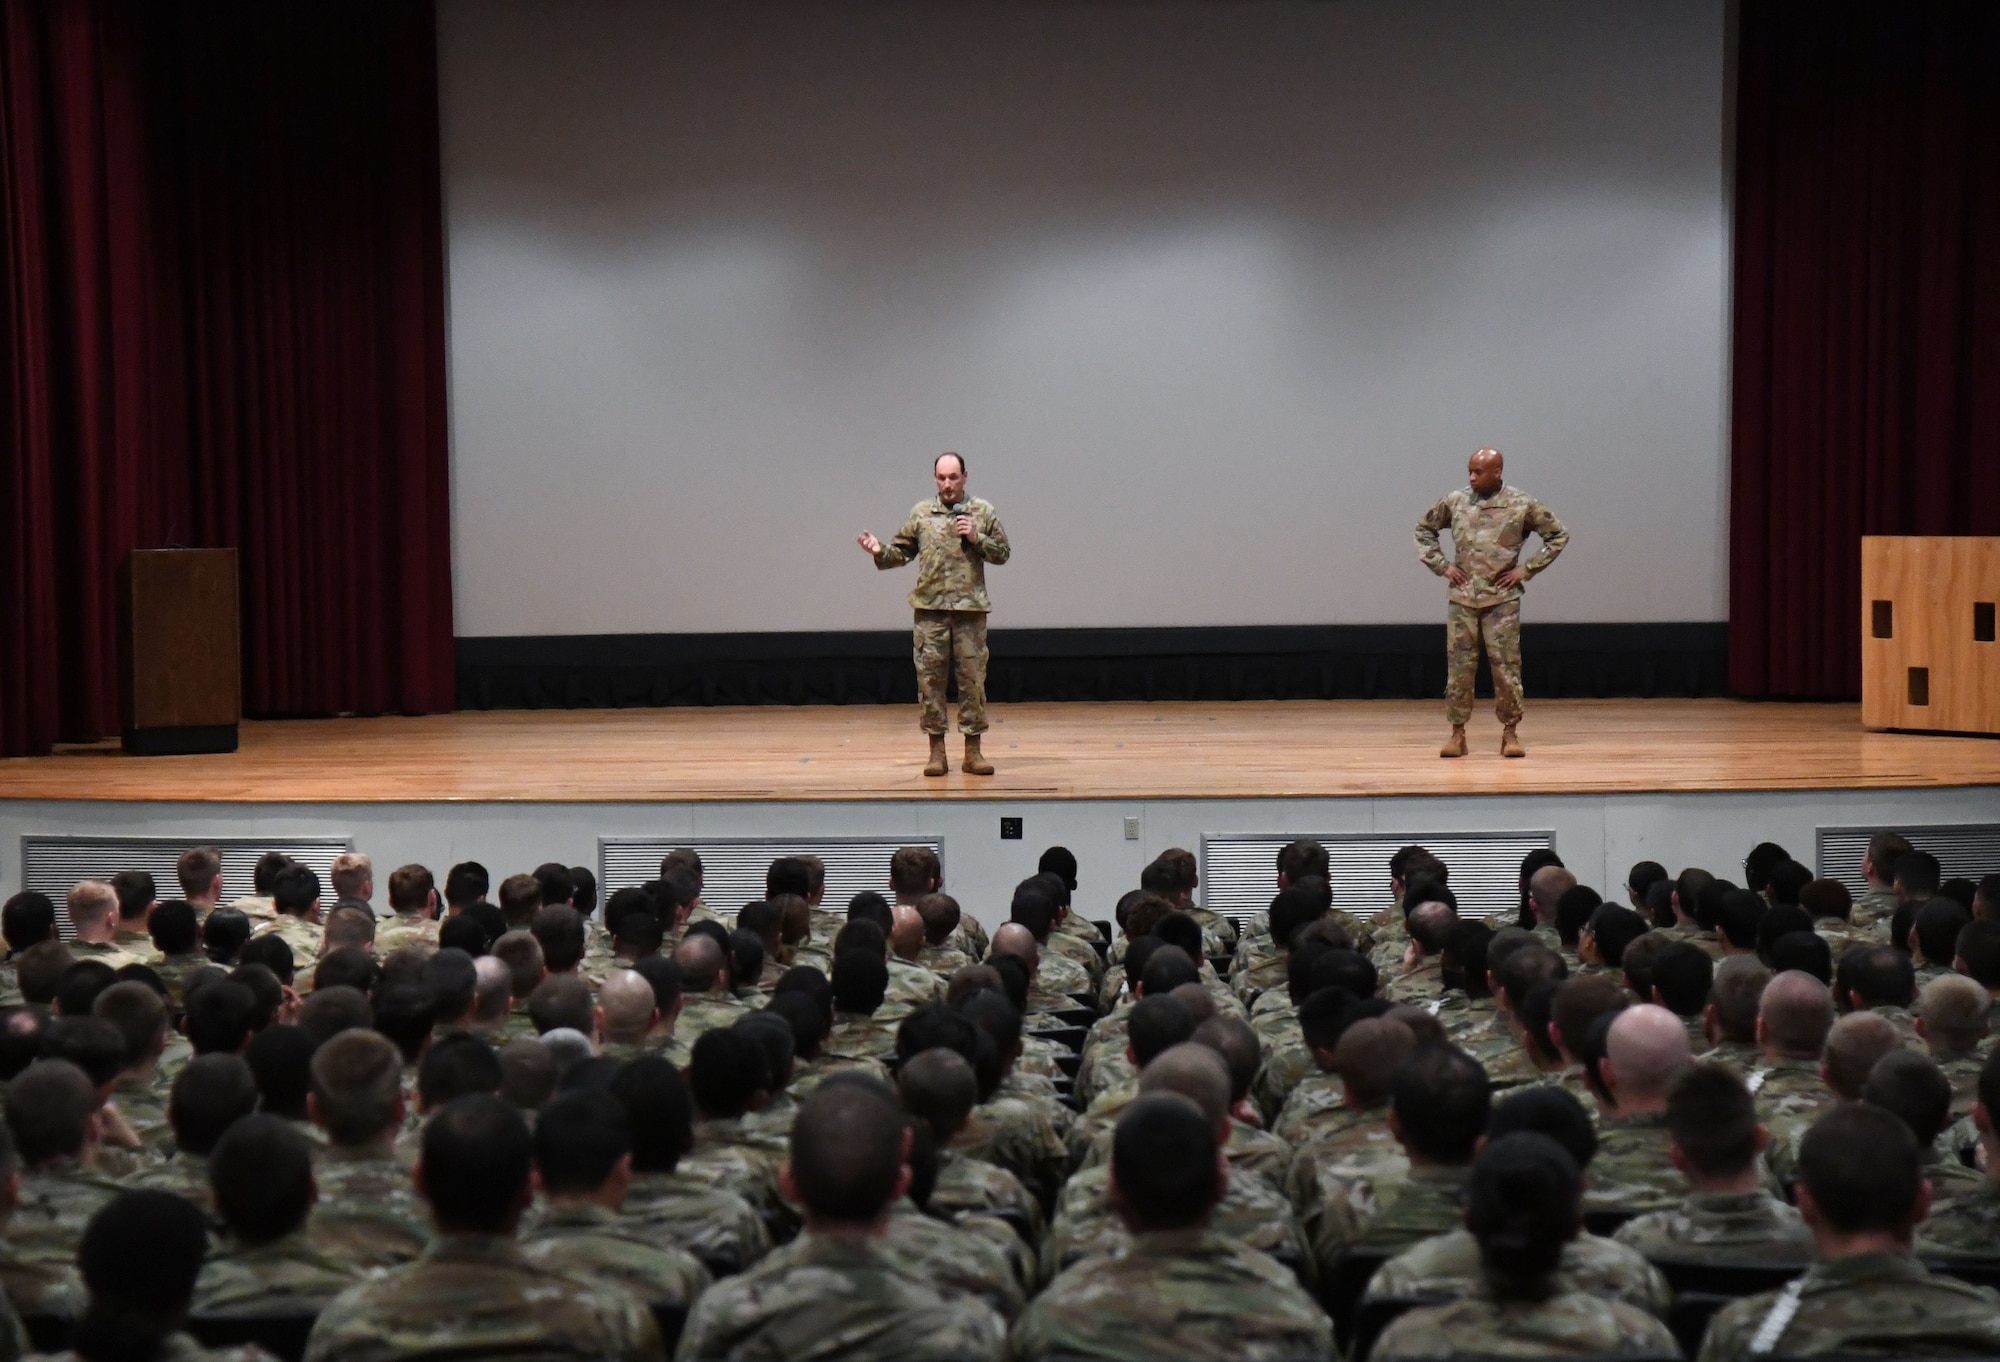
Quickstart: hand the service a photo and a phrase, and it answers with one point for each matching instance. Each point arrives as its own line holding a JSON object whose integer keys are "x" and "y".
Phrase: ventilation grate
{"x": 52, "y": 865}
{"x": 732, "y": 869}
{"x": 1239, "y": 870}
{"x": 1963, "y": 849}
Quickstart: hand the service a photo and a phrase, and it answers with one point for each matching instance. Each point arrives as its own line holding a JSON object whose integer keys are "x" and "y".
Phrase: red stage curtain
{"x": 223, "y": 318}
{"x": 1867, "y": 314}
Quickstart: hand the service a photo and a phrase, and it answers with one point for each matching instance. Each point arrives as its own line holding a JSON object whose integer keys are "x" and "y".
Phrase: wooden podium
{"x": 180, "y": 662}
{"x": 1928, "y": 656}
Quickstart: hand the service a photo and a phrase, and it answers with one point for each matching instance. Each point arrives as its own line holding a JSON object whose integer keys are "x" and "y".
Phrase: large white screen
{"x": 1215, "y": 297}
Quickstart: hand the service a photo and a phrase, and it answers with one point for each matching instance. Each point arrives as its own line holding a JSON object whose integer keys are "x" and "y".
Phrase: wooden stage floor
{"x": 1045, "y": 751}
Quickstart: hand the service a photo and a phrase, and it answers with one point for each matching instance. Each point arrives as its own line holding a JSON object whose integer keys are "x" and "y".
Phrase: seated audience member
{"x": 210, "y": 1094}
{"x": 583, "y": 1157}
{"x": 1861, "y": 1191}
{"x": 1794, "y": 1016}
{"x": 730, "y": 1080}
{"x": 475, "y": 1174}
{"x": 1728, "y": 1216}
{"x": 1448, "y": 1264}
{"x": 1876, "y": 979}
{"x": 1911, "y": 1087}
{"x": 467, "y": 932}
{"x": 1181, "y": 1290}
{"x": 1853, "y": 1046}
{"x": 1933, "y": 942}
{"x": 413, "y": 899}
{"x": 139, "y": 1258}
{"x": 1953, "y": 1020}
{"x": 52, "y": 1112}
{"x": 176, "y": 936}
{"x": 832, "y": 1292}
{"x": 528, "y": 1074}
{"x": 262, "y": 1172}
{"x": 1522, "y": 1206}
{"x": 937, "y": 1087}
{"x": 1968, "y": 1226}
{"x": 979, "y": 1255}
{"x": 860, "y": 983}
{"x": 719, "y": 1227}
{"x": 708, "y": 998}
{"x": 1646, "y": 1049}
{"x": 367, "y": 1214}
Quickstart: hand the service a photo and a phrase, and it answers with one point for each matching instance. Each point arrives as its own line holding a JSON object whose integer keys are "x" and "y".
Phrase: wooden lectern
{"x": 180, "y": 663}
{"x": 1928, "y": 655}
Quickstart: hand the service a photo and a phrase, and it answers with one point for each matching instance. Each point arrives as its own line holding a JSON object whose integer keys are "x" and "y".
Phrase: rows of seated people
{"x": 1712, "y": 1120}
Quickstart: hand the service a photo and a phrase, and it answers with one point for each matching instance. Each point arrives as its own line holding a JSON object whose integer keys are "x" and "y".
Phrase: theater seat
{"x": 283, "y": 1336}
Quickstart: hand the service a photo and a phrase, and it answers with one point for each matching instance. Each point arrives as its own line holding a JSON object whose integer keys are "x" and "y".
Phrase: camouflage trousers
{"x": 948, "y": 640}
{"x": 1500, "y": 626}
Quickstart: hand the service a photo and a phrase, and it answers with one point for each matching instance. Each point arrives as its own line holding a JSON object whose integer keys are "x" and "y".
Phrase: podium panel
{"x": 1929, "y": 659}
{"x": 180, "y": 662}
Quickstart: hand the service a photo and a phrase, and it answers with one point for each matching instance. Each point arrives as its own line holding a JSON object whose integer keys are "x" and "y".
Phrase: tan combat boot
{"x": 974, "y": 764}
{"x": 937, "y": 765}
{"x": 1454, "y": 745}
{"x": 1510, "y": 746}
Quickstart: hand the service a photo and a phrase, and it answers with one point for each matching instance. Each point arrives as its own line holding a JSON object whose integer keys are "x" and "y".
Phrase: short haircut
{"x": 296, "y": 889}
{"x": 1737, "y": 917}
{"x": 139, "y": 1014}
{"x": 559, "y": 1001}
{"x": 914, "y": 870}
{"x": 728, "y": 1068}
{"x": 1581, "y": 1001}
{"x": 1167, "y": 968}
{"x": 702, "y": 960}
{"x": 1917, "y": 876}
{"x": 941, "y": 915}
{"x": 334, "y": 1008}
{"x": 1879, "y": 976}
{"x": 48, "y": 1109}
{"x": 1861, "y": 1165}
{"x": 464, "y": 884}
{"x": 1232, "y": 1038}
{"x": 262, "y": 1176}
{"x": 351, "y": 927}
{"x": 1614, "y": 928}
{"x": 1521, "y": 968}
{"x": 91, "y": 902}
{"x": 520, "y": 896}
{"x": 1780, "y": 920}
{"x": 456, "y": 1066}
{"x": 1155, "y": 1023}
{"x": 1368, "y": 1055}
{"x": 1853, "y": 1047}
{"x": 579, "y": 1139}
{"x": 1884, "y": 850}
{"x": 1978, "y": 947}
{"x": 77, "y": 989}
{"x": 139, "y": 1256}
{"x": 280, "y": 1060}
{"x": 860, "y": 981}
{"x": 1684, "y": 974}
{"x": 528, "y": 1074}
{"x": 1938, "y": 924}
{"x": 1914, "y": 1088}
{"x": 1441, "y": 1099}
{"x": 93, "y": 1045}
{"x": 1827, "y": 899}
{"x": 223, "y": 933}
{"x": 477, "y": 1155}
{"x": 28, "y": 919}
{"x": 1553, "y": 1112}
{"x": 1804, "y": 951}
{"x": 452, "y": 978}
{"x": 788, "y": 875}
{"x": 273, "y": 953}
{"x": 1521, "y": 1206}
{"x": 174, "y": 928}
{"x": 1301, "y": 858}
{"x": 847, "y": 1152}
{"x": 219, "y": 1017}
{"x": 1713, "y": 1118}
{"x": 410, "y": 888}
{"x": 1954, "y": 1011}
{"x": 1163, "y": 1160}
{"x": 357, "y": 1082}
{"x": 559, "y": 928}
{"x": 522, "y": 955}
{"x": 1797, "y": 1012}
{"x": 937, "y": 1087}
{"x": 1573, "y": 910}
{"x": 196, "y": 870}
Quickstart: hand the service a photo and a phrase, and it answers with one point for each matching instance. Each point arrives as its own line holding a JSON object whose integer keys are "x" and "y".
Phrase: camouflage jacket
{"x": 302, "y": 936}
{"x": 1428, "y": 1201}
{"x": 683, "y": 1211}
{"x": 1790, "y": 1096}
{"x": 1420, "y": 983}
{"x": 111, "y": 954}
{"x": 41, "y": 1286}
{"x": 1448, "y": 1265}
{"x": 855, "y": 1036}
{"x": 405, "y": 929}
{"x": 1316, "y": 1107}
{"x": 951, "y": 573}
{"x": 1251, "y": 1153}
{"x": 969, "y": 1186}
{"x": 705, "y": 1012}
{"x": 826, "y": 1297}
{"x": 1340, "y": 1180}
{"x": 1876, "y": 904}
{"x": 286, "y": 1276}
{"x": 1962, "y": 1072}
{"x": 1479, "y": 1326}
{"x": 1634, "y": 1168}
{"x": 1193, "y": 1294}
{"x": 1079, "y": 953}
{"x": 936, "y": 1250}
{"x": 1057, "y": 973}
{"x": 185, "y": 1175}
{"x": 599, "y": 1245}
{"x": 1021, "y": 1136}
{"x": 1487, "y": 534}
{"x": 1285, "y": 1068}
{"x": 1740, "y": 1057}
{"x": 1877, "y": 1303}
{"x": 56, "y": 1203}
{"x": 182, "y": 1348}
{"x": 1251, "y": 1212}
{"x": 368, "y": 1213}
{"x": 174, "y": 970}
{"x": 1722, "y": 1227}
{"x": 943, "y": 961}
{"x": 478, "y": 1296}
{"x": 732, "y": 1155}
{"x": 1968, "y": 1226}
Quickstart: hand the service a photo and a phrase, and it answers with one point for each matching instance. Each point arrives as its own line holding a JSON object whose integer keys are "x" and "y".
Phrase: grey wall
{"x": 1216, "y": 297}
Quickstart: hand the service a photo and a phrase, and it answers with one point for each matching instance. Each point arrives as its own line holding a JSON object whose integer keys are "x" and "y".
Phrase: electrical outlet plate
{"x": 1131, "y": 829}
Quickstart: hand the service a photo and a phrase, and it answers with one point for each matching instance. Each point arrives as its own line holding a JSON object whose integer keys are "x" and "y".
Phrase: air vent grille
{"x": 52, "y": 865}
{"x": 1239, "y": 870}
{"x": 1963, "y": 849}
{"x": 732, "y": 869}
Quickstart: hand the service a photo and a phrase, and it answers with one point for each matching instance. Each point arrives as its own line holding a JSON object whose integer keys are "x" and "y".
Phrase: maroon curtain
{"x": 222, "y": 318}
{"x": 1867, "y": 314}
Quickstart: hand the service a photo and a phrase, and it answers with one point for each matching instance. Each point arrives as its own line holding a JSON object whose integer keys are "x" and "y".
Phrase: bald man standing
{"x": 1489, "y": 522}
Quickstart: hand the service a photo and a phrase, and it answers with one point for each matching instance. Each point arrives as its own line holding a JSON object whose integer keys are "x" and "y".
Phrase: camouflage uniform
{"x": 303, "y": 936}
{"x": 477, "y": 1296}
{"x": 1634, "y": 1168}
{"x": 41, "y": 1241}
{"x": 286, "y": 1276}
{"x": 1057, "y": 973}
{"x": 1740, "y": 1057}
{"x": 1876, "y": 1303}
{"x": 732, "y": 1154}
{"x": 182, "y": 1348}
{"x": 1790, "y": 1096}
{"x": 1962, "y": 1072}
{"x": 1967, "y": 1227}
{"x": 1721, "y": 1227}
{"x": 185, "y": 1175}
{"x": 719, "y": 1227}
{"x": 113, "y": 955}
{"x": 1022, "y": 1136}
{"x": 860, "y": 1036}
{"x": 1486, "y": 536}
{"x": 1448, "y": 1265}
{"x": 950, "y": 603}
{"x": 406, "y": 929}
{"x": 1251, "y": 1212}
{"x": 943, "y": 961}
{"x": 1285, "y": 1069}
{"x": 910, "y": 987}
{"x": 1479, "y": 1326}
{"x": 704, "y": 1012}
{"x": 1340, "y": 1180}
{"x": 956, "y": 1256}
{"x": 1877, "y": 904}
{"x": 829, "y": 1297}
{"x": 1187, "y": 1294}
{"x": 599, "y": 1245}
{"x": 368, "y": 1212}
{"x": 174, "y": 970}
{"x": 1426, "y": 1202}
{"x": 967, "y": 1186}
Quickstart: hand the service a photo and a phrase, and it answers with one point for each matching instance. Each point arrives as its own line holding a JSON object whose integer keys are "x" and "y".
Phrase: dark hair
{"x": 803, "y": 1015}
{"x": 452, "y": 978}
{"x": 1167, "y": 968}
{"x": 847, "y": 1152}
{"x": 1614, "y": 928}
{"x": 1787, "y": 881}
{"x": 1034, "y": 907}
{"x": 1711, "y": 1116}
{"x": 1737, "y": 917}
{"x": 559, "y": 929}
{"x": 1521, "y": 1204}
{"x": 1156, "y": 1023}
{"x": 223, "y": 933}
{"x": 660, "y": 1110}
{"x": 746, "y": 957}
{"x": 665, "y": 977}
{"x": 79, "y": 985}
{"x": 1978, "y": 946}
{"x": 219, "y": 1015}
{"x": 1807, "y": 952}
{"x": 295, "y": 889}
{"x": 280, "y": 1059}
{"x": 1059, "y": 861}
{"x": 466, "y": 882}
{"x": 1781, "y": 920}
{"x": 1919, "y": 873}
{"x": 1163, "y": 1156}
{"x": 727, "y": 1070}
{"x": 1862, "y": 1166}
{"x": 1643, "y": 876}
{"x": 1442, "y": 1101}
{"x": 860, "y": 981}
{"x": 476, "y": 1157}
{"x": 261, "y": 1173}
{"x": 1937, "y": 927}
{"x": 579, "y": 1139}
{"x": 1881, "y": 976}
{"x": 787, "y": 875}
{"x": 174, "y": 927}
{"x": 1553, "y": 1112}
{"x": 1762, "y": 860}
{"x": 1913, "y": 1088}
{"x": 92, "y": 1044}
{"x": 1573, "y": 910}
{"x": 457, "y": 1066}
{"x": 774, "y": 1036}
{"x": 210, "y": 1094}
{"x": 466, "y": 934}
{"x": 1683, "y": 973}
{"x": 139, "y": 1257}
{"x": 1538, "y": 859}
{"x": 406, "y": 1013}
{"x": 556, "y": 885}
{"x": 1301, "y": 858}
{"x": 28, "y": 919}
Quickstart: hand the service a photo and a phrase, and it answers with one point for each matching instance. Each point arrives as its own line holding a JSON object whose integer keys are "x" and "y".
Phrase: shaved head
{"x": 1199, "y": 1002}
{"x": 626, "y": 1006}
{"x": 1547, "y": 885}
{"x": 1854, "y": 1045}
{"x": 1795, "y": 1014}
{"x": 492, "y": 989}
{"x": 1647, "y": 1047}
{"x": 906, "y": 932}
{"x": 1196, "y": 1073}
{"x": 1232, "y": 1038}
{"x": 1483, "y": 471}
{"x": 700, "y": 959}
{"x": 1011, "y": 938}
